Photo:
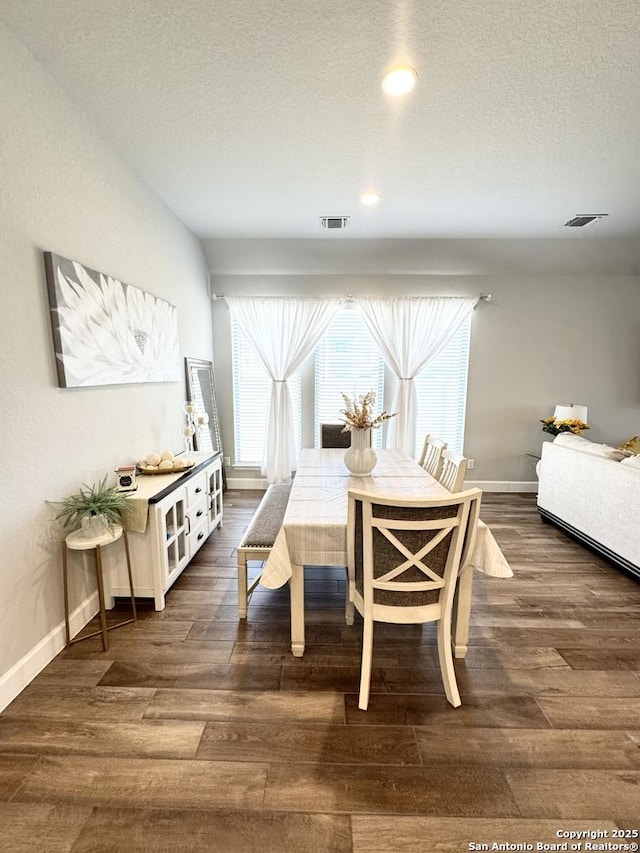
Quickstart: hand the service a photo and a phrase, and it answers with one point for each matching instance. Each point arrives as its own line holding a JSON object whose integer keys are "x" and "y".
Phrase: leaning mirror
{"x": 201, "y": 390}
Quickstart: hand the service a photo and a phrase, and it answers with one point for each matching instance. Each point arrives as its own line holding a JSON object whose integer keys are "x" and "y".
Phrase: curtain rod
{"x": 484, "y": 297}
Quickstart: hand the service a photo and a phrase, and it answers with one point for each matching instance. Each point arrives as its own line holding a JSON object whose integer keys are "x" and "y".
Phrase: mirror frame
{"x": 194, "y": 369}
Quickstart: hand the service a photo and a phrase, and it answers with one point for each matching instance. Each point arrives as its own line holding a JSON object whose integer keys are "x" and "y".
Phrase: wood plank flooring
{"x": 196, "y": 732}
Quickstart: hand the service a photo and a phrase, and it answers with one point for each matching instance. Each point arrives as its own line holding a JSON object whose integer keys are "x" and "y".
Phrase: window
{"x": 347, "y": 360}
{"x": 442, "y": 392}
{"x": 251, "y": 395}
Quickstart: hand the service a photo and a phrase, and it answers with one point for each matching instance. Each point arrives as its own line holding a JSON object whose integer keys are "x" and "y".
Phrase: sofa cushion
{"x": 631, "y": 461}
{"x": 576, "y": 442}
{"x": 568, "y": 439}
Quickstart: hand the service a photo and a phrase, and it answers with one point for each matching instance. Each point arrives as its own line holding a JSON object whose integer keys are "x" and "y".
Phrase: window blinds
{"x": 442, "y": 392}
{"x": 348, "y": 361}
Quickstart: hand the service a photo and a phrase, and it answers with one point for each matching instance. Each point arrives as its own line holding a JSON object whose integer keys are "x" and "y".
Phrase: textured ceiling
{"x": 253, "y": 119}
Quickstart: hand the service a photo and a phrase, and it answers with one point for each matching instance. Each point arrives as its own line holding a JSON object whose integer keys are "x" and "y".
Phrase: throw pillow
{"x": 633, "y": 444}
{"x": 606, "y": 451}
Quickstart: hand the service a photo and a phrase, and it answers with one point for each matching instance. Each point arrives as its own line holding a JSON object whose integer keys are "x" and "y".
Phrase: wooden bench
{"x": 258, "y": 541}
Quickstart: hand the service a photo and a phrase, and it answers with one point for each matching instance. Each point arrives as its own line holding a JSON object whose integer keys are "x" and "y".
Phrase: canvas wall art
{"x": 106, "y": 332}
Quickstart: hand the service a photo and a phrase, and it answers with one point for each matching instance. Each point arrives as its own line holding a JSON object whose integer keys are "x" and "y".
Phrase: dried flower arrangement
{"x": 358, "y": 414}
{"x": 555, "y": 427}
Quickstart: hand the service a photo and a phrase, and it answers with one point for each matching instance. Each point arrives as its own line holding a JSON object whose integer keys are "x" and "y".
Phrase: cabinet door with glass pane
{"x": 170, "y": 541}
{"x": 214, "y": 488}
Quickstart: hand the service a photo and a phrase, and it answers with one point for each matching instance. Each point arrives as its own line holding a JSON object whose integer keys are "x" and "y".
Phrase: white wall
{"x": 542, "y": 340}
{"x": 62, "y": 188}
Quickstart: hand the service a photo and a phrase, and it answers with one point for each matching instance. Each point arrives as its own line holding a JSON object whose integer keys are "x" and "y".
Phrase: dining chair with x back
{"x": 404, "y": 556}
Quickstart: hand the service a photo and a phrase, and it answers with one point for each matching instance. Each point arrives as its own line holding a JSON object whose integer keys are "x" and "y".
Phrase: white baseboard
{"x": 503, "y": 485}
{"x": 486, "y": 485}
{"x": 13, "y": 682}
{"x": 246, "y": 483}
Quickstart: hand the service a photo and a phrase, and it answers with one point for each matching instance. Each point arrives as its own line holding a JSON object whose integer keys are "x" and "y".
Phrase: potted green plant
{"x": 95, "y": 508}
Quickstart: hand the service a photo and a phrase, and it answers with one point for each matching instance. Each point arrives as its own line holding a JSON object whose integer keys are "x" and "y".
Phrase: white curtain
{"x": 283, "y": 331}
{"x": 410, "y": 332}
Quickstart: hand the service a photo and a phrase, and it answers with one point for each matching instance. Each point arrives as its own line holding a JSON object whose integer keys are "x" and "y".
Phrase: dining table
{"x": 314, "y": 530}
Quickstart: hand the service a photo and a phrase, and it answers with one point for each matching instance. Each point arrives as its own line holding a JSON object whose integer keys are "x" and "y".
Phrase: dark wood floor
{"x": 198, "y": 733}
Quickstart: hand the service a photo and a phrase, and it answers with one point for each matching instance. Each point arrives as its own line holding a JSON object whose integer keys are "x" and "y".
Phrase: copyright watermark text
{"x": 584, "y": 841}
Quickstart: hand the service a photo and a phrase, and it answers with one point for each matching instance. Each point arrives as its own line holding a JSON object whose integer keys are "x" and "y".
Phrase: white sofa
{"x": 593, "y": 492}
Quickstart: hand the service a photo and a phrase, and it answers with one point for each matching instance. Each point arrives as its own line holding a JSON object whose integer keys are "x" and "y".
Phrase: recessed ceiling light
{"x": 400, "y": 80}
{"x": 370, "y": 197}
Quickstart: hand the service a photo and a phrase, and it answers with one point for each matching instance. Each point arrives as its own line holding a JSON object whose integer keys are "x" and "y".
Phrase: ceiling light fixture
{"x": 370, "y": 197}
{"x": 399, "y": 81}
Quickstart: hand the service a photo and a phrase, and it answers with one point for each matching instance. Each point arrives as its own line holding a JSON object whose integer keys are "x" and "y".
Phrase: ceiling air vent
{"x": 583, "y": 219}
{"x": 334, "y": 223}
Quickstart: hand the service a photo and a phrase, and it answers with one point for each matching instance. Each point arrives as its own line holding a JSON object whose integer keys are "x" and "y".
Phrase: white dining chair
{"x": 453, "y": 470}
{"x": 432, "y": 455}
{"x": 404, "y": 556}
{"x": 423, "y": 452}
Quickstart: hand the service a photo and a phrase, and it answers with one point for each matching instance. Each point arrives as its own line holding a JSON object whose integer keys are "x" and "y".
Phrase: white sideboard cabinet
{"x": 183, "y": 510}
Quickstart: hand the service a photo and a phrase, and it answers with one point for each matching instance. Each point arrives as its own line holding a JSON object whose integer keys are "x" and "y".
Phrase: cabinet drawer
{"x": 196, "y": 488}
{"x": 198, "y": 535}
{"x": 198, "y": 511}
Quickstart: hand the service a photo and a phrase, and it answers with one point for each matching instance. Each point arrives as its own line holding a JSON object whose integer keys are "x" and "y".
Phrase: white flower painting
{"x": 106, "y": 332}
